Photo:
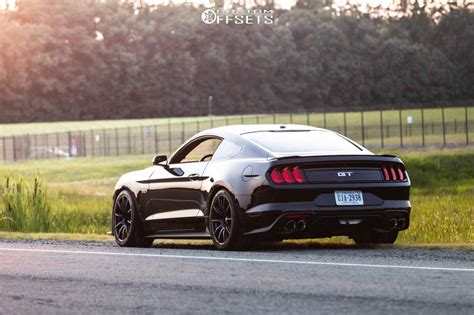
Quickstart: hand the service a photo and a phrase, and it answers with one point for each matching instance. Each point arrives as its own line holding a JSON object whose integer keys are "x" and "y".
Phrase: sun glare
{"x": 7, "y": 5}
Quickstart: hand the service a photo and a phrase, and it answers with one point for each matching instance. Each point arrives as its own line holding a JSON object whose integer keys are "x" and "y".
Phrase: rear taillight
{"x": 393, "y": 173}
{"x": 287, "y": 175}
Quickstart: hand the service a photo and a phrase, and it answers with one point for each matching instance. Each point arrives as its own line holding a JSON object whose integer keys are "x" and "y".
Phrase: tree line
{"x": 77, "y": 60}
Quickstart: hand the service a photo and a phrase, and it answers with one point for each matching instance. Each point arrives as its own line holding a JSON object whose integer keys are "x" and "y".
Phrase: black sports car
{"x": 239, "y": 184}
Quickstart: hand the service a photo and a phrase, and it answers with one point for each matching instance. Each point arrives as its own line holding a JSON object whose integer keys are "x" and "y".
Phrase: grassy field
{"x": 148, "y": 136}
{"x": 79, "y": 193}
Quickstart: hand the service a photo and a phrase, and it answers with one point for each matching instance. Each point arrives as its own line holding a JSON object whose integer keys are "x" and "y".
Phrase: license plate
{"x": 349, "y": 198}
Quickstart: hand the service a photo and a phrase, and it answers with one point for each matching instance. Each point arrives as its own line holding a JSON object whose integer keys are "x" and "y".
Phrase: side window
{"x": 226, "y": 150}
{"x": 202, "y": 151}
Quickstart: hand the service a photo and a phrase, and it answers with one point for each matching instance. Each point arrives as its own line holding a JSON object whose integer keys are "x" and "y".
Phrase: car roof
{"x": 238, "y": 130}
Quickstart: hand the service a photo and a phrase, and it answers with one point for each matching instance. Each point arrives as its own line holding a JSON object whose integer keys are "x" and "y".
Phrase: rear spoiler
{"x": 385, "y": 158}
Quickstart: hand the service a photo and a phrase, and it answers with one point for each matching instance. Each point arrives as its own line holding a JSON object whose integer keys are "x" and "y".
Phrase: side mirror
{"x": 158, "y": 159}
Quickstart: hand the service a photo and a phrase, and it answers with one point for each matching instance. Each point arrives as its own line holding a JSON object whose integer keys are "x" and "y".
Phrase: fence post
{"x": 28, "y": 146}
{"x": 57, "y": 141}
{"x": 466, "y": 127}
{"x": 227, "y": 120}
{"x": 117, "y": 147}
{"x": 307, "y": 118}
{"x": 241, "y": 119}
{"x": 257, "y": 118}
{"x": 4, "y": 149}
{"x": 182, "y": 131}
{"x": 345, "y": 122}
{"x": 142, "y": 131}
{"x": 444, "y": 127}
{"x": 362, "y": 126}
{"x": 14, "y": 148}
{"x": 401, "y": 127}
{"x": 83, "y": 143}
{"x": 423, "y": 126}
{"x": 69, "y": 151}
{"x": 381, "y": 129}
{"x": 274, "y": 118}
{"x": 156, "y": 139}
{"x": 455, "y": 125}
{"x": 291, "y": 118}
{"x": 105, "y": 143}
{"x": 324, "y": 118}
{"x": 47, "y": 145}
{"x": 129, "y": 141}
{"x": 35, "y": 140}
{"x": 169, "y": 136}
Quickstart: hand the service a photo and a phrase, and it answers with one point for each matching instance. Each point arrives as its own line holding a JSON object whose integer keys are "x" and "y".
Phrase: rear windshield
{"x": 303, "y": 141}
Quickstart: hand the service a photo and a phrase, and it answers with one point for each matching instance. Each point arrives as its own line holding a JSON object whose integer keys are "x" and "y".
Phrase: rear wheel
{"x": 224, "y": 224}
{"x": 374, "y": 237}
{"x": 126, "y": 226}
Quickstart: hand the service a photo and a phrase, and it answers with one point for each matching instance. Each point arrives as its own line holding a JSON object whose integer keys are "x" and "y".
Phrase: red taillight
{"x": 287, "y": 175}
{"x": 385, "y": 173}
{"x": 393, "y": 173}
{"x": 276, "y": 177}
{"x": 297, "y": 174}
{"x": 400, "y": 173}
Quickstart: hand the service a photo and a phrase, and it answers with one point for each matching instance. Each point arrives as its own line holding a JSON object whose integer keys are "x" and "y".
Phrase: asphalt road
{"x": 99, "y": 277}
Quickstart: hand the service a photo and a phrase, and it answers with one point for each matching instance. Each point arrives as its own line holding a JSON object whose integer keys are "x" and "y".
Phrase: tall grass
{"x": 24, "y": 205}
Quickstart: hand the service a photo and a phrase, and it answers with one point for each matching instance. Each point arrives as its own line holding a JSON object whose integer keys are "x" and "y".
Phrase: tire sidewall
{"x": 235, "y": 230}
{"x": 128, "y": 241}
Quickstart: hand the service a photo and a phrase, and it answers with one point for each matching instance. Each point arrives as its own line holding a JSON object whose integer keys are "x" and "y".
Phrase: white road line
{"x": 297, "y": 262}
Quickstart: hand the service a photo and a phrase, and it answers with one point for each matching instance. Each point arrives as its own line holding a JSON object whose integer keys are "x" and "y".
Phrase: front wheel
{"x": 224, "y": 224}
{"x": 126, "y": 226}
{"x": 374, "y": 237}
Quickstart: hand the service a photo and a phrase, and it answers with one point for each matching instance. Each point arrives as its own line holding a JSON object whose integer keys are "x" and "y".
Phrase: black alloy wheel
{"x": 224, "y": 223}
{"x": 126, "y": 223}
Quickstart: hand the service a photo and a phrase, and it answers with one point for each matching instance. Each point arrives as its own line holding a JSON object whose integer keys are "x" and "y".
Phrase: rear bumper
{"x": 324, "y": 221}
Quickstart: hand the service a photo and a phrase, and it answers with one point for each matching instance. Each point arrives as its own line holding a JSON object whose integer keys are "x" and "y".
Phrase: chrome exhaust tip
{"x": 290, "y": 226}
{"x": 401, "y": 223}
{"x": 301, "y": 225}
{"x": 392, "y": 223}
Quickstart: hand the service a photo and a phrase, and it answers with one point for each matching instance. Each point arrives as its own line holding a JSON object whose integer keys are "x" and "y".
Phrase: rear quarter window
{"x": 226, "y": 150}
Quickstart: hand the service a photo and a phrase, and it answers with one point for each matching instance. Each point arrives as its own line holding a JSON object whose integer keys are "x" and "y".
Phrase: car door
{"x": 174, "y": 197}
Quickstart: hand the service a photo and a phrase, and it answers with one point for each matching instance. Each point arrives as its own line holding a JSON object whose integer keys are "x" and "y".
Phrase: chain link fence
{"x": 404, "y": 128}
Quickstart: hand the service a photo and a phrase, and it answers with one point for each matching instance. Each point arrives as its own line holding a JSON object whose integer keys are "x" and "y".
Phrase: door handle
{"x": 193, "y": 176}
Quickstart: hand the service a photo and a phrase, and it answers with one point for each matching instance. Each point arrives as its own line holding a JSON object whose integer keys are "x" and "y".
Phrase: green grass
{"x": 79, "y": 193}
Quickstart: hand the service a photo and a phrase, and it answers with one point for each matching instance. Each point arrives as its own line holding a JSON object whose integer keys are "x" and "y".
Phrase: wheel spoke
{"x": 221, "y": 235}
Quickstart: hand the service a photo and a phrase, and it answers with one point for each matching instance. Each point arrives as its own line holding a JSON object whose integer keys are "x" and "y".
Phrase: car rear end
{"x": 329, "y": 195}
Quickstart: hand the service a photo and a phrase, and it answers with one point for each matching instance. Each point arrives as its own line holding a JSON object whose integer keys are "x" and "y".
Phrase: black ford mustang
{"x": 239, "y": 184}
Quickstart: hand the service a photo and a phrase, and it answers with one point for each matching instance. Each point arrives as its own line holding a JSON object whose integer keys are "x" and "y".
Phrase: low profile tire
{"x": 126, "y": 226}
{"x": 374, "y": 237}
{"x": 224, "y": 223}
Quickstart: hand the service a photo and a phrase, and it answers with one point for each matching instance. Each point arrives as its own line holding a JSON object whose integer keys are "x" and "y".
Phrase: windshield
{"x": 303, "y": 141}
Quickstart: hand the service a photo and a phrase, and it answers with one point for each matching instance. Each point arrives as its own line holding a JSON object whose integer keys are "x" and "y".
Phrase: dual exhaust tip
{"x": 397, "y": 224}
{"x": 293, "y": 225}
